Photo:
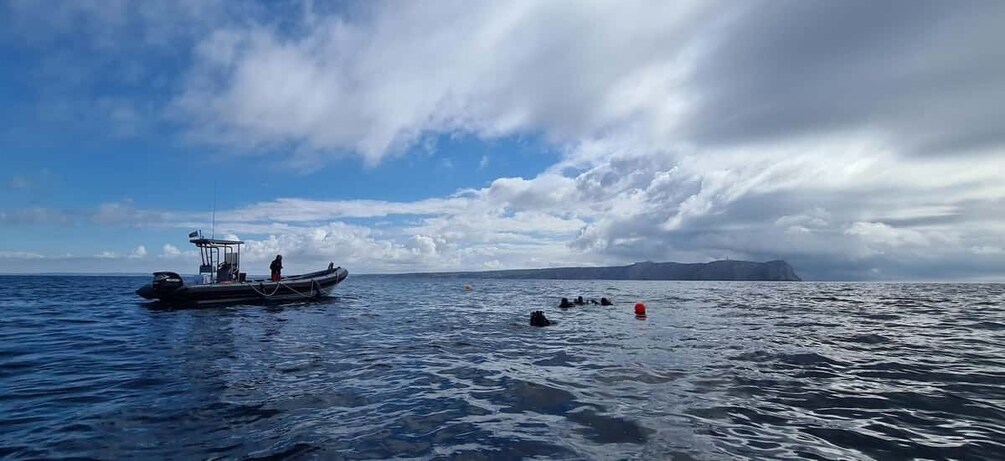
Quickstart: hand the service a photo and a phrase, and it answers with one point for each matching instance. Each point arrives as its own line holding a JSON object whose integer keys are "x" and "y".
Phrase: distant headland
{"x": 648, "y": 270}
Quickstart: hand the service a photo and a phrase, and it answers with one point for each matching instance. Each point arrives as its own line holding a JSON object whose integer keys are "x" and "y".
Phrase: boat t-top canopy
{"x": 221, "y": 258}
{"x": 205, "y": 242}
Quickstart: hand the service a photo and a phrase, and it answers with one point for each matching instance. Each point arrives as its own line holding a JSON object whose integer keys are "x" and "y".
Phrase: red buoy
{"x": 640, "y": 310}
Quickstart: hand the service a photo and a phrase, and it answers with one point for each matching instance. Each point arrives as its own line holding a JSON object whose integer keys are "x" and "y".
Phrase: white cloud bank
{"x": 853, "y": 139}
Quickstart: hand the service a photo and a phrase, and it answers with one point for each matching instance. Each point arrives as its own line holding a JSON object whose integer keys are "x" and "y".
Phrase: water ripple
{"x": 421, "y": 368}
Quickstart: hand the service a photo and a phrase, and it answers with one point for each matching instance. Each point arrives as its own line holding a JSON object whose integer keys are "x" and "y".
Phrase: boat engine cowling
{"x": 164, "y": 283}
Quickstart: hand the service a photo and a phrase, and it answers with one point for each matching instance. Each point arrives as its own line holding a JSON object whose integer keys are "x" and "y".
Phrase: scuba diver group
{"x": 565, "y": 304}
{"x": 537, "y": 318}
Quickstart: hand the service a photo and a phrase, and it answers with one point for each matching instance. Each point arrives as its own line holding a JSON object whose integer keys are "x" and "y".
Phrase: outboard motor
{"x": 164, "y": 283}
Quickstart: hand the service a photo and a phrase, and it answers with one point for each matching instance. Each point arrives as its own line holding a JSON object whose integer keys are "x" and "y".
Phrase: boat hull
{"x": 307, "y": 286}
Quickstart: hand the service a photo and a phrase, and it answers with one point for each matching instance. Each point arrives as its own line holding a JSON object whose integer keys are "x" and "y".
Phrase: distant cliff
{"x": 715, "y": 270}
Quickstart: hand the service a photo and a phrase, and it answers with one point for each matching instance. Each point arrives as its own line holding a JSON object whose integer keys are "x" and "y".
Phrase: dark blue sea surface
{"x": 421, "y": 368}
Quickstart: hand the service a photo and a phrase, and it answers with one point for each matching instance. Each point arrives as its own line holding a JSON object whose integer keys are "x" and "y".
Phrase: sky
{"x": 856, "y": 140}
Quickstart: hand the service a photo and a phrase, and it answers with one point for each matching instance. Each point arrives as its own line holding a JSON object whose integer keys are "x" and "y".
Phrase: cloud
{"x": 19, "y": 182}
{"x": 20, "y": 255}
{"x": 375, "y": 85}
{"x": 170, "y": 251}
{"x": 826, "y": 209}
{"x": 684, "y": 73}
{"x": 886, "y": 235}
{"x": 139, "y": 252}
{"x": 925, "y": 74}
{"x": 771, "y": 129}
{"x": 301, "y": 210}
{"x": 35, "y": 186}
{"x": 834, "y": 211}
{"x": 122, "y": 213}
{"x": 104, "y": 69}
{"x": 855, "y": 140}
{"x": 105, "y": 262}
{"x": 35, "y": 215}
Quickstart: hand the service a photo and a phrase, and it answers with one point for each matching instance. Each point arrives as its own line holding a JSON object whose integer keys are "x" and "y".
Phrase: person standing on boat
{"x": 276, "y": 267}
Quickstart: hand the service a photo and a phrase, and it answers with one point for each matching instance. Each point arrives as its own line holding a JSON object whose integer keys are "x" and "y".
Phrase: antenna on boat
{"x": 213, "y": 235}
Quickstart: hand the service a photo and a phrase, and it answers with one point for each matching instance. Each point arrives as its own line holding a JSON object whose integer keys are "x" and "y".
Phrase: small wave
{"x": 987, "y": 325}
{"x": 869, "y": 339}
{"x": 883, "y": 316}
{"x": 608, "y": 429}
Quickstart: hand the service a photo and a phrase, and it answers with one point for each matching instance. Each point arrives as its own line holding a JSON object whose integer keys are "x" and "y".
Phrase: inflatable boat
{"x": 220, "y": 280}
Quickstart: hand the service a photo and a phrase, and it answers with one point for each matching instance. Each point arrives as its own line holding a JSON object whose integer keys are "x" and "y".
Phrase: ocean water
{"x": 420, "y": 368}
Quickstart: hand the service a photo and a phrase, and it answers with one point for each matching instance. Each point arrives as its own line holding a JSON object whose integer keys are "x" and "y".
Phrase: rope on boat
{"x": 261, "y": 293}
{"x": 314, "y": 283}
{"x": 314, "y": 286}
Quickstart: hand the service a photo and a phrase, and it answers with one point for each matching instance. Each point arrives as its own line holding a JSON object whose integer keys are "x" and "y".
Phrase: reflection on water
{"x": 422, "y": 368}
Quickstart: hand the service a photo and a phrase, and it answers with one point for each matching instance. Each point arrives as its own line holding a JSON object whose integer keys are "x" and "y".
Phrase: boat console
{"x": 221, "y": 259}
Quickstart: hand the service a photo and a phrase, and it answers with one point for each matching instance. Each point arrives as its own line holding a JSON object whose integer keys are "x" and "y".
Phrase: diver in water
{"x": 579, "y": 301}
{"x": 537, "y": 319}
{"x": 565, "y": 304}
{"x": 606, "y": 302}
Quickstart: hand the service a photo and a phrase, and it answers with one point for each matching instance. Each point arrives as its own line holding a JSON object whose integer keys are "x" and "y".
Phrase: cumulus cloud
{"x": 832, "y": 210}
{"x": 170, "y": 251}
{"x": 139, "y": 252}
